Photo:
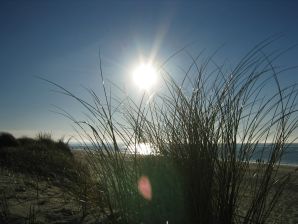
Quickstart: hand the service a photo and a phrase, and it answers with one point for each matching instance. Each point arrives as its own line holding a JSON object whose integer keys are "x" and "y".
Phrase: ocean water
{"x": 290, "y": 155}
{"x": 262, "y": 152}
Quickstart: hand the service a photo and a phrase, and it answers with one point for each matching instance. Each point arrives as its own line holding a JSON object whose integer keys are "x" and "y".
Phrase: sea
{"x": 289, "y": 157}
{"x": 262, "y": 152}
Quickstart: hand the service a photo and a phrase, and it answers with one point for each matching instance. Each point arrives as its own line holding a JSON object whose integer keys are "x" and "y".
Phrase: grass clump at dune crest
{"x": 204, "y": 131}
{"x": 41, "y": 156}
{"x": 45, "y": 172}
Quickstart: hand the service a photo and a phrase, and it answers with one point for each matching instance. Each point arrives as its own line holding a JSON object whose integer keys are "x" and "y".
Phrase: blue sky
{"x": 60, "y": 40}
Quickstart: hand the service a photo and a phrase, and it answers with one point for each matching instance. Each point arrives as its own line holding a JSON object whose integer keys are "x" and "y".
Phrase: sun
{"x": 145, "y": 76}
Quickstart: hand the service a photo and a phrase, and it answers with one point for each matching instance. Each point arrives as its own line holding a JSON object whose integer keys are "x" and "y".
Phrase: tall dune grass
{"x": 204, "y": 138}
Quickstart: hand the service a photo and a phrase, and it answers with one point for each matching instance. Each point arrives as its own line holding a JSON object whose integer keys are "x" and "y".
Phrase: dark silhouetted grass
{"x": 204, "y": 132}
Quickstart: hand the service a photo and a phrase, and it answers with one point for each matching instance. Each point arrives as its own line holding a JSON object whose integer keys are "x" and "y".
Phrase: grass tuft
{"x": 204, "y": 131}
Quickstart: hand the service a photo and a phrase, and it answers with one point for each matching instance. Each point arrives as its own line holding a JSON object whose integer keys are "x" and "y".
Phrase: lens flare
{"x": 144, "y": 187}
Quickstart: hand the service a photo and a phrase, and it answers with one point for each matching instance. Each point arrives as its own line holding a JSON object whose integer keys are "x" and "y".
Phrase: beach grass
{"x": 204, "y": 133}
{"x": 207, "y": 134}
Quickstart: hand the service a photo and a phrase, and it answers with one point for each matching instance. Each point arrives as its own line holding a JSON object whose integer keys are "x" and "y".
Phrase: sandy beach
{"x": 22, "y": 198}
{"x": 287, "y": 209}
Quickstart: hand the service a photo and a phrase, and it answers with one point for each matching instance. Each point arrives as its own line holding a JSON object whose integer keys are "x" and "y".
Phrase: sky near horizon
{"x": 60, "y": 41}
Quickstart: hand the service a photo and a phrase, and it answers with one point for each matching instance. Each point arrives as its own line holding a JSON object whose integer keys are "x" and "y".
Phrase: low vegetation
{"x": 204, "y": 132}
{"x": 41, "y": 156}
{"x": 42, "y": 163}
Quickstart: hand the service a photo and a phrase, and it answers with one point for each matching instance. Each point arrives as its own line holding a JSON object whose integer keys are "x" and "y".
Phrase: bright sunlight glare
{"x": 145, "y": 76}
{"x": 142, "y": 149}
